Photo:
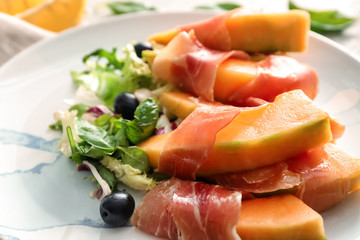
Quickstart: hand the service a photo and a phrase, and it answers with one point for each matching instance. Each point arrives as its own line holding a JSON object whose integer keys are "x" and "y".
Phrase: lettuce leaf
{"x": 130, "y": 176}
{"x": 108, "y": 75}
{"x": 146, "y": 116}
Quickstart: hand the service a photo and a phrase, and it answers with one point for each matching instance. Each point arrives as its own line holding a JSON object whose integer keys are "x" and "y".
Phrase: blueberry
{"x": 141, "y": 46}
{"x": 125, "y": 104}
{"x": 117, "y": 208}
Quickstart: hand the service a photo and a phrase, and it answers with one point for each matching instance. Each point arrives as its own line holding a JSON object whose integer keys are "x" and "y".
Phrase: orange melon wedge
{"x": 270, "y": 32}
{"x": 256, "y": 32}
{"x": 182, "y": 104}
{"x": 281, "y": 217}
{"x": 232, "y": 74}
{"x": 260, "y": 136}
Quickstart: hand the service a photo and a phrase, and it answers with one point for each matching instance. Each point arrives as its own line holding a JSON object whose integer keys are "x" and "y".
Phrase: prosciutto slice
{"x": 262, "y": 181}
{"x": 327, "y": 173}
{"x": 177, "y": 209}
{"x": 191, "y": 143}
{"x": 189, "y": 65}
{"x": 321, "y": 178}
{"x": 276, "y": 74}
{"x": 213, "y": 32}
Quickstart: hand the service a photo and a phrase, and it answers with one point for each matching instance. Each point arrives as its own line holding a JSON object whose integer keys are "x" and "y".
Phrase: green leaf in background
{"x": 219, "y": 6}
{"x": 128, "y": 7}
{"x": 135, "y": 157}
{"x": 228, "y": 6}
{"x": 326, "y": 21}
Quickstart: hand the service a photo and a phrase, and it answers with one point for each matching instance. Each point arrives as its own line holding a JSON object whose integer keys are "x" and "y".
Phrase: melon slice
{"x": 269, "y": 32}
{"x": 260, "y": 136}
{"x": 232, "y": 74}
{"x": 182, "y": 104}
{"x": 179, "y": 103}
{"x": 279, "y": 217}
{"x": 246, "y": 30}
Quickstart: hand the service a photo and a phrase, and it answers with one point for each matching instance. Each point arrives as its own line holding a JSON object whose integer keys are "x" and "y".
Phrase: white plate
{"x": 43, "y": 197}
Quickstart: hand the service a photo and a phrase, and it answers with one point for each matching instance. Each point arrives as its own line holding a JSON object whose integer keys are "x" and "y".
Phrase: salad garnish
{"x": 114, "y": 108}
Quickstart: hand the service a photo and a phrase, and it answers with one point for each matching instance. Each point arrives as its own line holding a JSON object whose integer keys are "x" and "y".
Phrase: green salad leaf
{"x": 118, "y": 126}
{"x": 76, "y": 157}
{"x": 108, "y": 75}
{"x": 219, "y": 6}
{"x": 111, "y": 136}
{"x": 80, "y": 108}
{"x": 106, "y": 174}
{"x": 128, "y": 7}
{"x": 135, "y": 157}
{"x": 125, "y": 173}
{"x": 111, "y": 58}
{"x": 102, "y": 120}
{"x": 146, "y": 116}
{"x": 147, "y": 113}
{"x": 95, "y": 136}
{"x": 107, "y": 141}
{"x": 57, "y": 126}
{"x": 86, "y": 150}
{"x": 326, "y": 21}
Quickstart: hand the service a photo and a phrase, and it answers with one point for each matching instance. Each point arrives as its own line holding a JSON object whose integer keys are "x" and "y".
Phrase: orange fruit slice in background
{"x": 54, "y": 15}
{"x": 13, "y": 7}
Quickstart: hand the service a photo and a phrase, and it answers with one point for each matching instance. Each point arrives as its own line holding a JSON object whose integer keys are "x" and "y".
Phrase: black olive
{"x": 117, "y": 208}
{"x": 125, "y": 104}
{"x": 141, "y": 46}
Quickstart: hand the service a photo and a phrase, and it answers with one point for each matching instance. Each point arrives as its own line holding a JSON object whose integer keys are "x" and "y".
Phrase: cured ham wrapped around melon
{"x": 255, "y": 137}
{"x": 321, "y": 178}
{"x": 248, "y": 30}
{"x": 230, "y": 77}
{"x": 196, "y": 140}
{"x": 265, "y": 181}
{"x": 329, "y": 175}
{"x": 189, "y": 65}
{"x": 177, "y": 209}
